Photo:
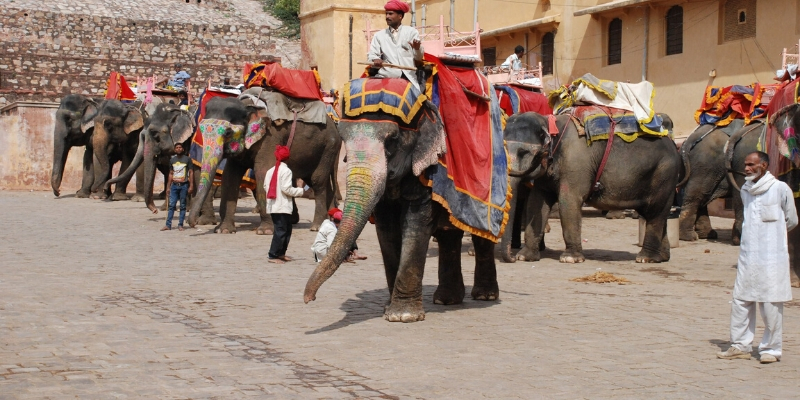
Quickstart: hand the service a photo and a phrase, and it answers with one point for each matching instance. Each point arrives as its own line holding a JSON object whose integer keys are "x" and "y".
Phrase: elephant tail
{"x": 686, "y": 165}
{"x": 137, "y": 161}
{"x": 730, "y": 147}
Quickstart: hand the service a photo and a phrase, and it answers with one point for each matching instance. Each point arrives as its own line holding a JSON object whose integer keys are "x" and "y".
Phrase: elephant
{"x": 787, "y": 121}
{"x": 385, "y": 158}
{"x": 246, "y": 137}
{"x": 74, "y": 127}
{"x": 165, "y": 127}
{"x": 707, "y": 175}
{"x": 116, "y": 129}
{"x": 640, "y": 175}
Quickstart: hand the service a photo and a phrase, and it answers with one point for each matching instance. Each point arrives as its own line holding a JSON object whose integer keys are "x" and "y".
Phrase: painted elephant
{"x": 786, "y": 121}
{"x": 384, "y": 160}
{"x": 165, "y": 127}
{"x": 245, "y": 136}
{"x": 74, "y": 127}
{"x": 116, "y": 130}
{"x": 640, "y": 175}
{"x": 704, "y": 158}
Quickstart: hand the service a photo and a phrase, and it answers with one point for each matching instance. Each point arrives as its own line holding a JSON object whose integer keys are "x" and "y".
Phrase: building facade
{"x": 679, "y": 45}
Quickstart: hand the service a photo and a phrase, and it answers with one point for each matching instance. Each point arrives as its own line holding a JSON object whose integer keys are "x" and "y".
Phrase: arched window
{"x": 547, "y": 53}
{"x": 615, "y": 41}
{"x": 675, "y": 30}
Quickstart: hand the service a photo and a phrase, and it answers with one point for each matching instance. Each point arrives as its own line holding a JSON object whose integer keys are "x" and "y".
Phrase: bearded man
{"x": 398, "y": 45}
{"x": 762, "y": 274}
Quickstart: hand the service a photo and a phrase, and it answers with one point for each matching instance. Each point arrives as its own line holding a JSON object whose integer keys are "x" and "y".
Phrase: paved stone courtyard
{"x": 95, "y": 302}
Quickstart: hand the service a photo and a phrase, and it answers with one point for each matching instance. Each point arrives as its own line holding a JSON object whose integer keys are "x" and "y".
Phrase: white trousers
{"x": 743, "y": 326}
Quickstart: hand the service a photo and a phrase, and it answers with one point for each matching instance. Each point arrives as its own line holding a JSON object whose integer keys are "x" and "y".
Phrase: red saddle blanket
{"x": 296, "y": 83}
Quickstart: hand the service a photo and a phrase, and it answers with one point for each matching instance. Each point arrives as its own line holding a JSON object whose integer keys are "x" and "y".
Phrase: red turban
{"x": 337, "y": 216}
{"x": 333, "y": 211}
{"x": 397, "y": 5}
{"x": 281, "y": 153}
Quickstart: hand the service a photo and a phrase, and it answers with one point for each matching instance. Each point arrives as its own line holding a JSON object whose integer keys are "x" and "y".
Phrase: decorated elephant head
{"x": 73, "y": 127}
{"x": 229, "y": 128}
{"x": 528, "y": 143}
{"x": 113, "y": 124}
{"x": 381, "y": 151}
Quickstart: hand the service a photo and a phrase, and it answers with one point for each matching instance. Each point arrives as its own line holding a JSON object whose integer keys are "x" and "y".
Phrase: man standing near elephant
{"x": 179, "y": 185}
{"x": 278, "y": 185}
{"x": 397, "y": 45}
{"x": 762, "y": 274}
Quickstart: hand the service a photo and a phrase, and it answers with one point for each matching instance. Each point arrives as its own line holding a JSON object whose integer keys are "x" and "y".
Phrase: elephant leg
{"x": 703, "y": 224}
{"x": 656, "y": 244}
{"x": 139, "y": 195}
{"x": 688, "y": 219}
{"x": 451, "y": 281}
{"x": 121, "y": 188}
{"x": 388, "y": 227}
{"x": 519, "y": 216}
{"x": 485, "y": 286}
{"x": 570, "y": 208}
{"x": 794, "y": 250}
{"x": 88, "y": 174}
{"x": 207, "y": 211}
{"x": 231, "y": 179}
{"x": 260, "y": 169}
{"x": 295, "y": 212}
{"x": 738, "y": 210}
{"x": 538, "y": 212}
{"x": 416, "y": 221}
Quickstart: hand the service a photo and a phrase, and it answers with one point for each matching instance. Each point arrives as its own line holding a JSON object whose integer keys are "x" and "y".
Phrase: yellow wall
{"x": 580, "y": 42}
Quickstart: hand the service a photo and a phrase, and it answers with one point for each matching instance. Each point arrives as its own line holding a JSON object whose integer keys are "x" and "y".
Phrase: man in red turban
{"x": 278, "y": 184}
{"x": 398, "y": 45}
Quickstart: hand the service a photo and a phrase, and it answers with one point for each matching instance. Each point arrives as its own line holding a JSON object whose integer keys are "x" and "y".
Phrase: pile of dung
{"x": 602, "y": 277}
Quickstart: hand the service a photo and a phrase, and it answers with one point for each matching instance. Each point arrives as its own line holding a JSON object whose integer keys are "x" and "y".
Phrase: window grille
{"x": 675, "y": 30}
{"x": 615, "y": 41}
{"x": 547, "y": 53}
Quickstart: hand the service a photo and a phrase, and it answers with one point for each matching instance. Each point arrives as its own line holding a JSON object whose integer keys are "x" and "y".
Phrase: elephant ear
{"x": 89, "y": 112}
{"x": 133, "y": 121}
{"x": 257, "y": 127}
{"x": 181, "y": 127}
{"x": 431, "y": 143}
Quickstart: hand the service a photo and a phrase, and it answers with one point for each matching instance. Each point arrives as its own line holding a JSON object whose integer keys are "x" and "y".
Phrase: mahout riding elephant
{"x": 706, "y": 179}
{"x": 116, "y": 128}
{"x": 74, "y": 127}
{"x": 385, "y": 158}
{"x": 242, "y": 132}
{"x": 785, "y": 121}
{"x": 164, "y": 128}
{"x": 640, "y": 175}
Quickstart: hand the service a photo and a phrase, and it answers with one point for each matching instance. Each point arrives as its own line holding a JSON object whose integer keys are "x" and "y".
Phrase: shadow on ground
{"x": 370, "y": 305}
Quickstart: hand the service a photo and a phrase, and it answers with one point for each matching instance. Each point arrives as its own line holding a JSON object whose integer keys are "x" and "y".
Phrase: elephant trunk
{"x": 729, "y": 148}
{"x": 366, "y": 182}
{"x": 60, "y": 152}
{"x": 686, "y": 165}
{"x": 505, "y": 242}
{"x": 126, "y": 175}
{"x": 532, "y": 152}
{"x": 149, "y": 175}
{"x": 212, "y": 154}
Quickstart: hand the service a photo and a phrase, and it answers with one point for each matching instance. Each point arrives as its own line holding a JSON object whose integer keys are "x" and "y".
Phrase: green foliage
{"x": 288, "y": 12}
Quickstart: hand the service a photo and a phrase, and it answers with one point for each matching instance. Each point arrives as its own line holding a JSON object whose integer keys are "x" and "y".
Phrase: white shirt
{"x": 282, "y": 203}
{"x": 396, "y": 49}
{"x": 512, "y": 62}
{"x": 762, "y": 273}
{"x": 327, "y": 231}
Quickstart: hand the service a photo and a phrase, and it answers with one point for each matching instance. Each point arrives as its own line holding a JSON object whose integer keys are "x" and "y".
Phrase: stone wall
{"x": 46, "y": 54}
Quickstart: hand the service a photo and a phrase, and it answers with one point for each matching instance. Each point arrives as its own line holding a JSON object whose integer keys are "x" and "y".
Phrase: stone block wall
{"x": 46, "y": 54}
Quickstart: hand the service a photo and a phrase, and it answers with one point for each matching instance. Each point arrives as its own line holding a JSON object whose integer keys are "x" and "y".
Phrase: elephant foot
{"x": 635, "y": 214}
{"x": 527, "y": 254}
{"x": 315, "y": 226}
{"x": 616, "y": 214}
{"x": 489, "y": 292}
{"x": 712, "y": 234}
{"x": 688, "y": 236}
{"x": 225, "y": 229}
{"x": 407, "y": 311}
{"x": 206, "y": 220}
{"x": 82, "y": 194}
{"x": 736, "y": 240}
{"x": 119, "y": 196}
{"x": 547, "y": 227}
{"x": 264, "y": 230}
{"x": 448, "y": 296}
{"x": 137, "y": 198}
{"x": 98, "y": 196}
{"x": 571, "y": 257}
{"x": 643, "y": 257}
{"x": 471, "y": 250}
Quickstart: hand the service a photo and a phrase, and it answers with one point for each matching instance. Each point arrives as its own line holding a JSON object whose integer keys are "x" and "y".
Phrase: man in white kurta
{"x": 398, "y": 44}
{"x": 762, "y": 275}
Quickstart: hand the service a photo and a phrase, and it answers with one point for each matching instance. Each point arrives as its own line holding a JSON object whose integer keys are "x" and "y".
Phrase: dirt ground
{"x": 95, "y": 302}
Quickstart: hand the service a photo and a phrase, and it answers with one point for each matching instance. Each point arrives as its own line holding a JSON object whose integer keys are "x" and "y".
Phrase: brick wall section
{"x": 45, "y": 55}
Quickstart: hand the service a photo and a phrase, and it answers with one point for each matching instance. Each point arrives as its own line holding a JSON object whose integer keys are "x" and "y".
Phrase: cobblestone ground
{"x": 95, "y": 302}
